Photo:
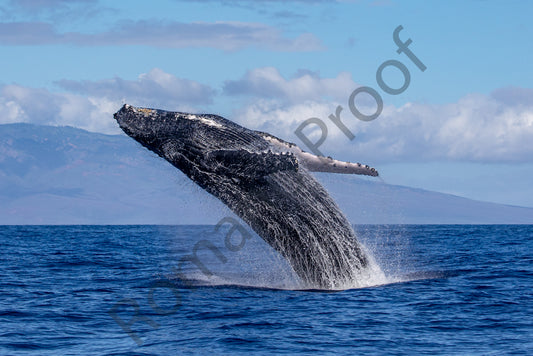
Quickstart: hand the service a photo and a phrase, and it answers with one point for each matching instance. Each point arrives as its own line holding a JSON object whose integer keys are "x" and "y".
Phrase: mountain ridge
{"x": 66, "y": 175}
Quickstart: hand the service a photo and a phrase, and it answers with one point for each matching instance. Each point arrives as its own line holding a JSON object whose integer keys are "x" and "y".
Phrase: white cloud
{"x": 477, "y": 128}
{"x": 278, "y": 118}
{"x": 95, "y": 102}
{"x": 40, "y": 106}
{"x": 305, "y": 85}
{"x": 155, "y": 89}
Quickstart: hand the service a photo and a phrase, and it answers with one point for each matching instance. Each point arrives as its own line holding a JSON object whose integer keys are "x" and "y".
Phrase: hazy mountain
{"x": 64, "y": 175}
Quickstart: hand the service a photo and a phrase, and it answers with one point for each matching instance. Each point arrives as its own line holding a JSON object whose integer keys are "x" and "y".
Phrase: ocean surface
{"x": 171, "y": 290}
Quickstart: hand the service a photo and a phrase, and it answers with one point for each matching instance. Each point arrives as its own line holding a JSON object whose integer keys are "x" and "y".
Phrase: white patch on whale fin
{"x": 315, "y": 163}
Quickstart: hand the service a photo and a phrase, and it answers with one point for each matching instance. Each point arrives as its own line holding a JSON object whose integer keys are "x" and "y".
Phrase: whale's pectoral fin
{"x": 317, "y": 163}
{"x": 253, "y": 165}
{"x": 327, "y": 164}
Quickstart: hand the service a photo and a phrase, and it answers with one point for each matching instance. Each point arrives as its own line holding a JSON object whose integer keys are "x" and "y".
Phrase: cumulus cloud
{"x": 305, "y": 85}
{"x": 478, "y": 128}
{"x": 40, "y": 106}
{"x": 155, "y": 88}
{"x": 90, "y": 104}
{"x": 497, "y": 127}
{"x": 227, "y": 36}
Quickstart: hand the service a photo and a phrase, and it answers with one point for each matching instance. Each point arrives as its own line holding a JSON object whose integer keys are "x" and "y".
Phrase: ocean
{"x": 199, "y": 290}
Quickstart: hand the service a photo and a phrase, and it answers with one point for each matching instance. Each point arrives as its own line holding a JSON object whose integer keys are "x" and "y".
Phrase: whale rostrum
{"x": 266, "y": 182}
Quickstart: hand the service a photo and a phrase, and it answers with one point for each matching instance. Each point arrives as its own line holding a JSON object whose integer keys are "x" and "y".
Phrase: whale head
{"x": 200, "y": 144}
{"x": 207, "y": 132}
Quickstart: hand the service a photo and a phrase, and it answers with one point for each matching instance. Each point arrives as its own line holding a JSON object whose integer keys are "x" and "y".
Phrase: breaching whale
{"x": 266, "y": 182}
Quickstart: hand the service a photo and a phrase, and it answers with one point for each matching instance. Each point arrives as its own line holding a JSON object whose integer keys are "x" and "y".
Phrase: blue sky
{"x": 463, "y": 126}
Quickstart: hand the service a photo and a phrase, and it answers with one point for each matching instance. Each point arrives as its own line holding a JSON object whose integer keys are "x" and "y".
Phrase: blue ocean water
{"x": 130, "y": 290}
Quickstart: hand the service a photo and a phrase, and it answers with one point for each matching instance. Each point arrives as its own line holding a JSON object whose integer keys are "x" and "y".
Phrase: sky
{"x": 462, "y": 125}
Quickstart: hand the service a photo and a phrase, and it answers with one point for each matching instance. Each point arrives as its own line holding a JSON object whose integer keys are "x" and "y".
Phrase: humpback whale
{"x": 266, "y": 182}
